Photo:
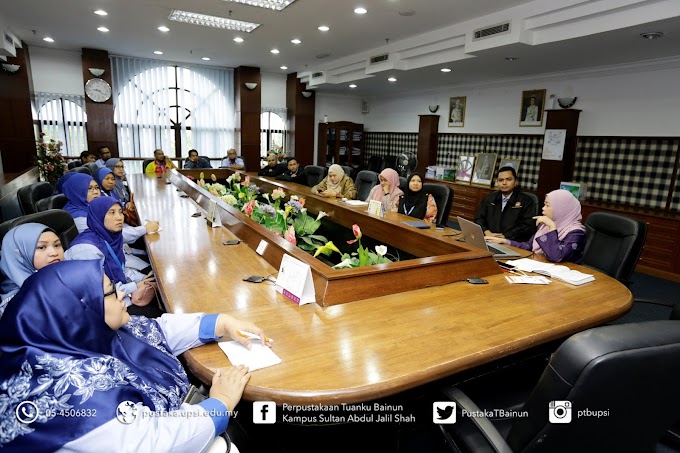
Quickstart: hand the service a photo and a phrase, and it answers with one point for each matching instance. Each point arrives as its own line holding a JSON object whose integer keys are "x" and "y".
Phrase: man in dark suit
{"x": 507, "y": 213}
{"x": 294, "y": 173}
{"x": 195, "y": 161}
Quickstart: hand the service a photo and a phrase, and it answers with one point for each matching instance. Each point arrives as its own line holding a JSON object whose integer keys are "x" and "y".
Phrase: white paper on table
{"x": 531, "y": 280}
{"x": 259, "y": 356}
{"x": 355, "y": 202}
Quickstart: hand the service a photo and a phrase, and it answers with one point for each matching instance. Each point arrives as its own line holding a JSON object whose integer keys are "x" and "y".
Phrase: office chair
{"x": 57, "y": 201}
{"x": 145, "y": 163}
{"x": 29, "y": 195}
{"x": 614, "y": 244}
{"x": 315, "y": 174}
{"x": 348, "y": 170}
{"x": 375, "y": 163}
{"x": 534, "y": 197}
{"x": 628, "y": 373}
{"x": 82, "y": 169}
{"x": 92, "y": 166}
{"x": 443, "y": 196}
{"x": 402, "y": 184}
{"x": 365, "y": 181}
{"x": 74, "y": 164}
{"x": 388, "y": 162}
{"x": 57, "y": 219}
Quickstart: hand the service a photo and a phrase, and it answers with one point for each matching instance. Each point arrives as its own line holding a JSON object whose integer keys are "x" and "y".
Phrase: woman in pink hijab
{"x": 560, "y": 235}
{"x": 388, "y": 191}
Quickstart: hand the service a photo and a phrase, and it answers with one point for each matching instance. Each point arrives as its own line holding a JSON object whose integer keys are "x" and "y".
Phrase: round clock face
{"x": 98, "y": 90}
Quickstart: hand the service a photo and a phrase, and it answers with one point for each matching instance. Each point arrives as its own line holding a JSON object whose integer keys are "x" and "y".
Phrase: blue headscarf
{"x": 119, "y": 189}
{"x": 57, "y": 352}
{"x": 75, "y": 188}
{"x": 99, "y": 177}
{"x": 18, "y": 248}
{"x": 99, "y": 236}
{"x": 62, "y": 179}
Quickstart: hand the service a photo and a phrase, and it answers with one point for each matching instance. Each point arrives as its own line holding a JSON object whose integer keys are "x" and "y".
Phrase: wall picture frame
{"x": 457, "y": 107}
{"x": 507, "y": 162}
{"x": 484, "y": 167}
{"x": 532, "y": 108}
{"x": 464, "y": 170}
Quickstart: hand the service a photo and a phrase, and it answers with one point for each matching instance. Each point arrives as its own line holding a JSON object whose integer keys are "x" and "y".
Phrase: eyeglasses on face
{"x": 93, "y": 189}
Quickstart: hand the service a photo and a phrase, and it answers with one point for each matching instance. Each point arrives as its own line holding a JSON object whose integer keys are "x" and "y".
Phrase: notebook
{"x": 473, "y": 235}
{"x": 418, "y": 224}
{"x": 557, "y": 272}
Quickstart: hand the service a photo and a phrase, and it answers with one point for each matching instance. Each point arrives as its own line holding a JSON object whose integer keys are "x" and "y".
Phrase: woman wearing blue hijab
{"x": 27, "y": 248}
{"x": 80, "y": 189}
{"x": 69, "y": 345}
{"x": 106, "y": 182}
{"x": 118, "y": 168}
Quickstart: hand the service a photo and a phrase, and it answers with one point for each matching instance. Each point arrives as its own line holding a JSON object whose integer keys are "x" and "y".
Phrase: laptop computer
{"x": 473, "y": 235}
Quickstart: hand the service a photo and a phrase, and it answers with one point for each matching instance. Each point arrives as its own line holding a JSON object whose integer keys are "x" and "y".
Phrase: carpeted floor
{"x": 654, "y": 299}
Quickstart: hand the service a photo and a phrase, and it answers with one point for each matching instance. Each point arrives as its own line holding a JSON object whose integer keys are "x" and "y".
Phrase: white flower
{"x": 294, "y": 198}
{"x": 345, "y": 263}
{"x": 321, "y": 215}
{"x": 229, "y": 199}
{"x": 381, "y": 249}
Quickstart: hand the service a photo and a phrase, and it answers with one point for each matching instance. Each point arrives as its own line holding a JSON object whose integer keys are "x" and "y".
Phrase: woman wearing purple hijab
{"x": 560, "y": 236}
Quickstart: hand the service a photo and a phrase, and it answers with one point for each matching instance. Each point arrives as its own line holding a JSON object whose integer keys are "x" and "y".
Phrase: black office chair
{"x": 82, "y": 169}
{"x": 365, "y": 181}
{"x": 626, "y": 373}
{"x": 348, "y": 170}
{"x": 57, "y": 201}
{"x": 74, "y": 164}
{"x": 614, "y": 244}
{"x": 375, "y": 163}
{"x": 145, "y": 163}
{"x": 402, "y": 184}
{"x": 388, "y": 162}
{"x": 29, "y": 195}
{"x": 534, "y": 197}
{"x": 315, "y": 174}
{"x": 92, "y": 166}
{"x": 57, "y": 219}
{"x": 443, "y": 196}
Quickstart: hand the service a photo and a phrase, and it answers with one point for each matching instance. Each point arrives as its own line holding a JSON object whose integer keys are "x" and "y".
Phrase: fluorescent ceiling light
{"x": 360, "y": 10}
{"x": 237, "y": 39}
{"x": 295, "y": 41}
{"x": 164, "y": 29}
{"x": 211, "y": 21}
{"x": 324, "y": 28}
{"x": 101, "y": 12}
{"x": 48, "y": 39}
{"x": 269, "y": 4}
{"x": 103, "y": 29}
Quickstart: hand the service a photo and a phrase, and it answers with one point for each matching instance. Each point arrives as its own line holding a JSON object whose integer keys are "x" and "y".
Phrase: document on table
{"x": 558, "y": 272}
{"x": 259, "y": 356}
{"x": 538, "y": 280}
{"x": 355, "y": 203}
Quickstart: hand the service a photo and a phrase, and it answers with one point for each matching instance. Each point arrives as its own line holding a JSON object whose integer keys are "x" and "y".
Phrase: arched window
{"x": 62, "y": 117}
{"x": 173, "y": 108}
{"x": 273, "y": 134}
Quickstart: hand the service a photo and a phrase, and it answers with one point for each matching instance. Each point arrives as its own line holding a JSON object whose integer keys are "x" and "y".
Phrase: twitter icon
{"x": 444, "y": 412}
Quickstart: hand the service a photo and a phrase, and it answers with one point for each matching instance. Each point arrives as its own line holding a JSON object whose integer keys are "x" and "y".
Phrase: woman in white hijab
{"x": 336, "y": 185}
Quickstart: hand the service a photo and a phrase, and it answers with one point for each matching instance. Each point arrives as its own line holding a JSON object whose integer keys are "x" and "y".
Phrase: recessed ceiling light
{"x": 211, "y": 21}
{"x": 445, "y": 70}
{"x": 205, "y": 58}
{"x": 512, "y": 58}
{"x": 284, "y": 67}
{"x": 158, "y": 52}
{"x": 295, "y": 41}
{"x": 48, "y": 39}
{"x": 237, "y": 39}
{"x": 360, "y": 10}
{"x": 352, "y": 86}
{"x": 392, "y": 79}
{"x": 101, "y": 12}
{"x": 324, "y": 28}
{"x": 274, "y": 51}
{"x": 103, "y": 29}
{"x": 652, "y": 35}
{"x": 164, "y": 29}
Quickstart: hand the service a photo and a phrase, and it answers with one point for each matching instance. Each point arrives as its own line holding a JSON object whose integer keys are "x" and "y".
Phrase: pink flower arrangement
{"x": 248, "y": 208}
{"x": 290, "y": 235}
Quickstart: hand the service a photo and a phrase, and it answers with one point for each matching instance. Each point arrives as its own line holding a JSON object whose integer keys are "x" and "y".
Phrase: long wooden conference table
{"x": 365, "y": 349}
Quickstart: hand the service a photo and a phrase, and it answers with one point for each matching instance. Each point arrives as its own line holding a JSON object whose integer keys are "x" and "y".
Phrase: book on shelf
{"x": 554, "y": 271}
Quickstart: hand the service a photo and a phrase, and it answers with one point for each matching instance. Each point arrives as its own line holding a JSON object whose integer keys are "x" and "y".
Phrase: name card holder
{"x": 295, "y": 281}
{"x": 213, "y": 217}
{"x": 376, "y": 208}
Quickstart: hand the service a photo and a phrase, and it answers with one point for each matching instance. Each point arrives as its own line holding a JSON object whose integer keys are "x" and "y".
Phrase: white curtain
{"x": 154, "y": 99}
{"x": 62, "y": 117}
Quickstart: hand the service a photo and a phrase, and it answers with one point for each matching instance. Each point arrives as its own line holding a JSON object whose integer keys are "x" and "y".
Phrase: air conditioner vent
{"x": 316, "y": 75}
{"x": 492, "y": 31}
{"x": 9, "y": 40}
{"x": 379, "y": 58}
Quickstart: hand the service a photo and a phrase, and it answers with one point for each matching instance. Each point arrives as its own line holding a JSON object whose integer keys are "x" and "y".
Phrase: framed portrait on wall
{"x": 533, "y": 106}
{"x": 464, "y": 170}
{"x": 506, "y": 162}
{"x": 484, "y": 168}
{"x": 457, "y": 111}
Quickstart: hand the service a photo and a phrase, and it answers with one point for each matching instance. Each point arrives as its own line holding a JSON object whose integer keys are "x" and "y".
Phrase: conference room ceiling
{"x": 420, "y": 43}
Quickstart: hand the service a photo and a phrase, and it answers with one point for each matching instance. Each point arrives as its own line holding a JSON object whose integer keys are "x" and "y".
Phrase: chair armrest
{"x": 486, "y": 428}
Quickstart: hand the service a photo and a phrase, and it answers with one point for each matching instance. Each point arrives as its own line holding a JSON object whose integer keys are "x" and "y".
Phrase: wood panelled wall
{"x": 301, "y": 111}
{"x": 247, "y": 111}
{"x": 101, "y": 129}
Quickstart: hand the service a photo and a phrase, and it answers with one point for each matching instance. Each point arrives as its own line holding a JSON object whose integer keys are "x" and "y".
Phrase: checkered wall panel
{"x": 527, "y": 148}
{"x": 452, "y": 146}
{"x": 630, "y": 171}
{"x": 390, "y": 143}
{"x": 376, "y": 144}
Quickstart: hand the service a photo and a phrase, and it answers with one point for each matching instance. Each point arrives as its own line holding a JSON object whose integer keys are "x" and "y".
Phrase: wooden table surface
{"x": 362, "y": 350}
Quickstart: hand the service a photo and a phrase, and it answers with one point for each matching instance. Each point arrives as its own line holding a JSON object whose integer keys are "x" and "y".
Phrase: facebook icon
{"x": 264, "y": 412}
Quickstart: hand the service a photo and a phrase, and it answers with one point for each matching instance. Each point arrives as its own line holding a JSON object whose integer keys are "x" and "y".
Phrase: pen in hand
{"x": 252, "y": 336}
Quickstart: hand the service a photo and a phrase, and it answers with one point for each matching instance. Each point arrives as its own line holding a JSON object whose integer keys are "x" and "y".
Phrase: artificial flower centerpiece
{"x": 51, "y": 163}
{"x": 363, "y": 256}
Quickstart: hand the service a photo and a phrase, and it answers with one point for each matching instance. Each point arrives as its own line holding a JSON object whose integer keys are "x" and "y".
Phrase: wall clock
{"x": 98, "y": 90}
